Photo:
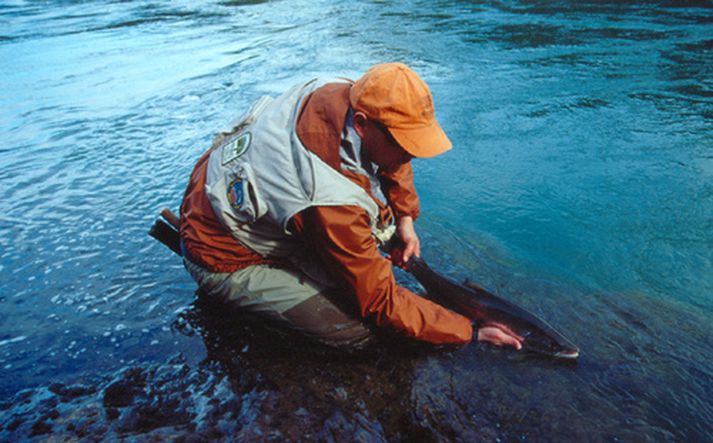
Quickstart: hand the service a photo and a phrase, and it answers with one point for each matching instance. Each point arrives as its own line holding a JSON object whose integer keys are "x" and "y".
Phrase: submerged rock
{"x": 250, "y": 387}
{"x": 164, "y": 401}
{"x": 359, "y": 428}
{"x": 124, "y": 390}
{"x": 173, "y": 401}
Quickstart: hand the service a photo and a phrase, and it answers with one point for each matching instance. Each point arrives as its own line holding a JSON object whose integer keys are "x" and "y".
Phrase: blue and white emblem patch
{"x": 235, "y": 193}
{"x": 237, "y": 147}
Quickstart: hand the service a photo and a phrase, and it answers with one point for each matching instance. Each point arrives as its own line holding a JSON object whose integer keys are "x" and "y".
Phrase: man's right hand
{"x": 499, "y": 335}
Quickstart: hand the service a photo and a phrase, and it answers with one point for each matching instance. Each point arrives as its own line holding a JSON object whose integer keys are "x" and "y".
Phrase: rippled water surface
{"x": 580, "y": 186}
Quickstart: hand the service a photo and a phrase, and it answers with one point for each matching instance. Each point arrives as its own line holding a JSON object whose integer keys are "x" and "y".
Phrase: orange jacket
{"x": 339, "y": 236}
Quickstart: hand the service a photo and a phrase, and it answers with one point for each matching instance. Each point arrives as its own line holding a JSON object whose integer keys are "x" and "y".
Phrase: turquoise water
{"x": 580, "y": 185}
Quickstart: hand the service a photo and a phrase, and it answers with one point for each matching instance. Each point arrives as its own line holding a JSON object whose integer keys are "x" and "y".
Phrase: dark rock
{"x": 123, "y": 391}
{"x": 128, "y": 420}
{"x": 14, "y": 424}
{"x": 67, "y": 393}
{"x": 112, "y": 413}
{"x": 120, "y": 394}
{"x": 40, "y": 427}
{"x": 51, "y": 415}
{"x": 339, "y": 428}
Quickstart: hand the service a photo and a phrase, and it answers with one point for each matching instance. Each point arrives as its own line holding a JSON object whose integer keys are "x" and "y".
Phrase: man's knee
{"x": 290, "y": 299}
{"x": 321, "y": 319}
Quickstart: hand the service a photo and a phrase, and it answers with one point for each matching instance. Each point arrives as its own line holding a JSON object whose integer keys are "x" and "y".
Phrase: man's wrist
{"x": 404, "y": 219}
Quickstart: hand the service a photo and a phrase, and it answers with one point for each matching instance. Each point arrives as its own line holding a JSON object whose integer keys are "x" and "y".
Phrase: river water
{"x": 580, "y": 186}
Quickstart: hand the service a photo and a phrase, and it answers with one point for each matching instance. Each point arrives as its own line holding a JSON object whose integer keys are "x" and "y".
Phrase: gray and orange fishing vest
{"x": 261, "y": 175}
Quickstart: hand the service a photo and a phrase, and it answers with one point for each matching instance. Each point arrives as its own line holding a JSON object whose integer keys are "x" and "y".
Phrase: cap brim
{"x": 423, "y": 142}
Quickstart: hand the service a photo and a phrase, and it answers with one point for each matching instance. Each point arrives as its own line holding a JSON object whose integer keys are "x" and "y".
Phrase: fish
{"x": 476, "y": 303}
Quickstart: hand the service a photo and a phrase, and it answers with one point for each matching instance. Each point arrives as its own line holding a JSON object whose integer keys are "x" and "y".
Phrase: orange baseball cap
{"x": 394, "y": 95}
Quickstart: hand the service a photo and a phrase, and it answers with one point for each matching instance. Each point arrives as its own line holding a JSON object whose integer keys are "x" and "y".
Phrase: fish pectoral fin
{"x": 473, "y": 285}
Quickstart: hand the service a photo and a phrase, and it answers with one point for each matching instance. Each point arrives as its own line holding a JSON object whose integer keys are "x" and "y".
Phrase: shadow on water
{"x": 310, "y": 389}
{"x": 256, "y": 382}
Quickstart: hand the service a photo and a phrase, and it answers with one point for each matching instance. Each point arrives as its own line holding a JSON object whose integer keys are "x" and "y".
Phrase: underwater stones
{"x": 40, "y": 427}
{"x": 112, "y": 413}
{"x": 67, "y": 393}
{"x": 358, "y": 428}
{"x": 123, "y": 390}
{"x": 261, "y": 399}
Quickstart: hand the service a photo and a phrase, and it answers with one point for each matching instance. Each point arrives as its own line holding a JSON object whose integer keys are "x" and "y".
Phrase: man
{"x": 283, "y": 216}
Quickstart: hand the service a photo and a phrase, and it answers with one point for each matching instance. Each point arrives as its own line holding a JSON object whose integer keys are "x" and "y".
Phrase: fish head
{"x": 549, "y": 344}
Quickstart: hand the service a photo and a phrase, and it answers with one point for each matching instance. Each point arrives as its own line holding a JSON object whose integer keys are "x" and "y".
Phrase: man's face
{"x": 381, "y": 147}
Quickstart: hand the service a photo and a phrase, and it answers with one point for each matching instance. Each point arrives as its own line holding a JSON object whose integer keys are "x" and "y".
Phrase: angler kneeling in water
{"x": 283, "y": 216}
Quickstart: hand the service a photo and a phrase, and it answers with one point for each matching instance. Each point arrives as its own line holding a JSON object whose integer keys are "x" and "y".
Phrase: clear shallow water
{"x": 580, "y": 185}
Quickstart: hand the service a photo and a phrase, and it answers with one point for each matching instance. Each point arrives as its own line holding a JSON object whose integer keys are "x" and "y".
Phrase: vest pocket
{"x": 244, "y": 197}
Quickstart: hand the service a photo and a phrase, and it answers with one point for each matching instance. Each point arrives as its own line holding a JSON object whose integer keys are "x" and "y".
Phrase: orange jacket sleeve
{"x": 398, "y": 188}
{"x": 341, "y": 237}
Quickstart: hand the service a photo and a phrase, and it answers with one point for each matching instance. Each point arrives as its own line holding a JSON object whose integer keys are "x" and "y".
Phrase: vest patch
{"x": 236, "y": 148}
{"x": 235, "y": 193}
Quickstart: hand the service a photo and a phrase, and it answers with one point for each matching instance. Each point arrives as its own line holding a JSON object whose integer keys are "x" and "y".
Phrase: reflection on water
{"x": 584, "y": 181}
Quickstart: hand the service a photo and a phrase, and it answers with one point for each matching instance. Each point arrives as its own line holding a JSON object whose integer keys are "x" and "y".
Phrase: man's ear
{"x": 359, "y": 121}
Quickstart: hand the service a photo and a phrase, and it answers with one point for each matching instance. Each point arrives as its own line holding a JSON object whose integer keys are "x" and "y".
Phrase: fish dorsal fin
{"x": 473, "y": 285}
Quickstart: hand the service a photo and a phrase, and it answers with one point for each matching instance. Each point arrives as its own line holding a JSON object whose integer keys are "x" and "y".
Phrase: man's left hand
{"x": 411, "y": 243}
